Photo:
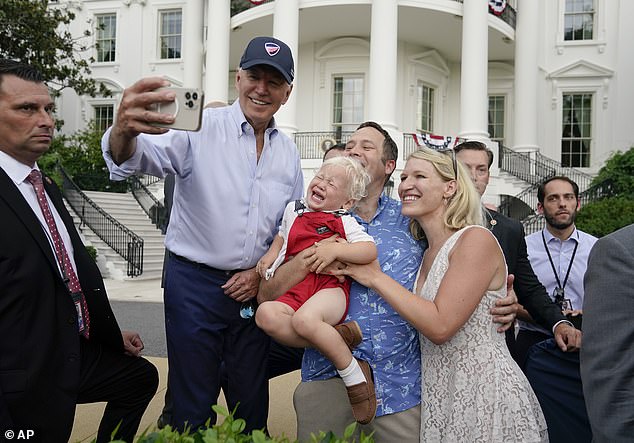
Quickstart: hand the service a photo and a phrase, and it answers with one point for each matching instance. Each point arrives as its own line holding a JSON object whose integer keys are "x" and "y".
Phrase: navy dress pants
{"x": 204, "y": 328}
{"x": 555, "y": 378}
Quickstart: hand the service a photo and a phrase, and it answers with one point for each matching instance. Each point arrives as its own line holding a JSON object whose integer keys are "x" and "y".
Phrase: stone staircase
{"x": 127, "y": 211}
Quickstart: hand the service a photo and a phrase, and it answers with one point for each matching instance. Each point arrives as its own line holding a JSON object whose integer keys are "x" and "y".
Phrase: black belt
{"x": 204, "y": 267}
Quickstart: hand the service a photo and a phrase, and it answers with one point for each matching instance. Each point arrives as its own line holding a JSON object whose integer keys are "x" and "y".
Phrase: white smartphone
{"x": 186, "y": 108}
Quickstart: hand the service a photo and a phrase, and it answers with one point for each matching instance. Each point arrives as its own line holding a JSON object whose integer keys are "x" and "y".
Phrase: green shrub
{"x": 92, "y": 251}
{"x": 231, "y": 431}
{"x": 80, "y": 155}
{"x": 620, "y": 169}
{"x": 605, "y": 216}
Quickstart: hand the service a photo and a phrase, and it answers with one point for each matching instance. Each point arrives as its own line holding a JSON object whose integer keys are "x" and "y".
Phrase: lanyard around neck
{"x": 552, "y": 265}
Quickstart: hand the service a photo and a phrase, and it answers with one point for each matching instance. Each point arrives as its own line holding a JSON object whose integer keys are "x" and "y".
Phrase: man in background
{"x": 559, "y": 255}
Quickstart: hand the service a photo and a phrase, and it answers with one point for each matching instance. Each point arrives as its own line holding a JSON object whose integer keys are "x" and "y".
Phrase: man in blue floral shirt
{"x": 390, "y": 344}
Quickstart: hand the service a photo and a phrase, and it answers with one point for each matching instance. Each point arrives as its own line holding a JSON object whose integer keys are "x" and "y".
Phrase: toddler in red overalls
{"x": 305, "y": 315}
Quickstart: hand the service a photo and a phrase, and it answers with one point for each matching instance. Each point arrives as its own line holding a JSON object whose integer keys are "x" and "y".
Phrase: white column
{"x": 217, "y": 57}
{"x": 473, "y": 71}
{"x": 286, "y": 28}
{"x": 382, "y": 84}
{"x": 526, "y": 71}
{"x": 192, "y": 48}
{"x": 131, "y": 57}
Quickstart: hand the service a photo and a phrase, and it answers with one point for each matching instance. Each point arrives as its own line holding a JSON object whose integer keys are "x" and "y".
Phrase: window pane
{"x": 105, "y": 39}
{"x": 496, "y": 117}
{"x": 347, "y": 103}
{"x": 579, "y": 20}
{"x": 576, "y": 130}
{"x": 424, "y": 107}
{"x": 104, "y": 116}
{"x": 171, "y": 33}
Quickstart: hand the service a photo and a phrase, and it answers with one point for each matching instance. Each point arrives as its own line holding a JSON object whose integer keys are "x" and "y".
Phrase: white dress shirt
{"x": 18, "y": 173}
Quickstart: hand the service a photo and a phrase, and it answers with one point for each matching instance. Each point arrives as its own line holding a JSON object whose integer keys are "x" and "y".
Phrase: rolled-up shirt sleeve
{"x": 156, "y": 155}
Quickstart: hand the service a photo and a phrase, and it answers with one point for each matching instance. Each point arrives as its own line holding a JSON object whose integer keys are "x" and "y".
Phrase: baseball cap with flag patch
{"x": 269, "y": 51}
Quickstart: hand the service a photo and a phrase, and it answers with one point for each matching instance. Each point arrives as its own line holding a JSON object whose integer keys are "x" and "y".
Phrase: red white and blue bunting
{"x": 497, "y": 6}
{"x": 437, "y": 142}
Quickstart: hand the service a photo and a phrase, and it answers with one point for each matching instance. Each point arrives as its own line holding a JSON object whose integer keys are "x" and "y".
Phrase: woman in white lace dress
{"x": 472, "y": 389}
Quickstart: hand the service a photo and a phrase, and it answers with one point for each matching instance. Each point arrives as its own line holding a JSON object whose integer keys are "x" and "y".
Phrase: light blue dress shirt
{"x": 390, "y": 344}
{"x": 227, "y": 204}
{"x": 561, "y": 253}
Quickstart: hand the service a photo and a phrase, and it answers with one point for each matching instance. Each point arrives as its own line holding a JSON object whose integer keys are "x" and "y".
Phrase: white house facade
{"x": 552, "y": 77}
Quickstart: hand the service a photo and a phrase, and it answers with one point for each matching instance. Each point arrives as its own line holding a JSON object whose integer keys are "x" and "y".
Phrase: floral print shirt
{"x": 390, "y": 344}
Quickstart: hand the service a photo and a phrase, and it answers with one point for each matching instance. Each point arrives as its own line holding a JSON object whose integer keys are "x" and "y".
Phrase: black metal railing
{"x": 534, "y": 167}
{"x": 121, "y": 239}
{"x": 312, "y": 145}
{"x": 150, "y": 204}
{"x": 520, "y": 206}
{"x": 525, "y": 166}
{"x": 598, "y": 191}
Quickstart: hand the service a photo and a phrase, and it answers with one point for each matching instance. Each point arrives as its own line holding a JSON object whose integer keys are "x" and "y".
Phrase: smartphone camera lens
{"x": 188, "y": 95}
{"x": 190, "y": 104}
{"x": 195, "y": 96}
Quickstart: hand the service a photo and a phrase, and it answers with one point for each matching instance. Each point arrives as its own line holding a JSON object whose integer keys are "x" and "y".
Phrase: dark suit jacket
{"x": 530, "y": 292}
{"x": 39, "y": 341}
{"x": 607, "y": 362}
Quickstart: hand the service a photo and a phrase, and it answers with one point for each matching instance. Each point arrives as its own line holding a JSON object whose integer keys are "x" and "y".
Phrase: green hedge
{"x": 604, "y": 216}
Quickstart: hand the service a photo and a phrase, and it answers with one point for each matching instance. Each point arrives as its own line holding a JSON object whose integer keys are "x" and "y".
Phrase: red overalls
{"x": 308, "y": 228}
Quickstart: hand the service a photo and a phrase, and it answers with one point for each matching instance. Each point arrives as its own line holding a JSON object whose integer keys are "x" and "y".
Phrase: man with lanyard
{"x": 234, "y": 178}
{"x": 559, "y": 255}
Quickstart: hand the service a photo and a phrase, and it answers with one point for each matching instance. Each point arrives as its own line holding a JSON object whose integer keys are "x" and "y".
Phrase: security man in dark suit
{"x": 60, "y": 344}
{"x": 531, "y": 294}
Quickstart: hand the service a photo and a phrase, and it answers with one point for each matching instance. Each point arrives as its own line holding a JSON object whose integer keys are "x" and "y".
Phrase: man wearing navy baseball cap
{"x": 269, "y": 51}
{"x": 233, "y": 179}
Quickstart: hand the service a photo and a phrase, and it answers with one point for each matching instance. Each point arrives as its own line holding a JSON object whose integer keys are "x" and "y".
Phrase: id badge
{"x": 561, "y": 300}
{"x": 80, "y": 316}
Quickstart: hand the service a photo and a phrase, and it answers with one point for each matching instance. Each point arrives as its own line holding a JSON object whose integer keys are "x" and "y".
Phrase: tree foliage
{"x": 80, "y": 155}
{"x": 604, "y": 216}
{"x": 34, "y": 33}
{"x": 620, "y": 169}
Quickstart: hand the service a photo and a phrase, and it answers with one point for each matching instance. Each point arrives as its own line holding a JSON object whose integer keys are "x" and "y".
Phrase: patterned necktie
{"x": 35, "y": 178}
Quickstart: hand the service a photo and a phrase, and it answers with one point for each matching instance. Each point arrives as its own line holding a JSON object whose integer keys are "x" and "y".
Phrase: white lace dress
{"x": 472, "y": 389}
